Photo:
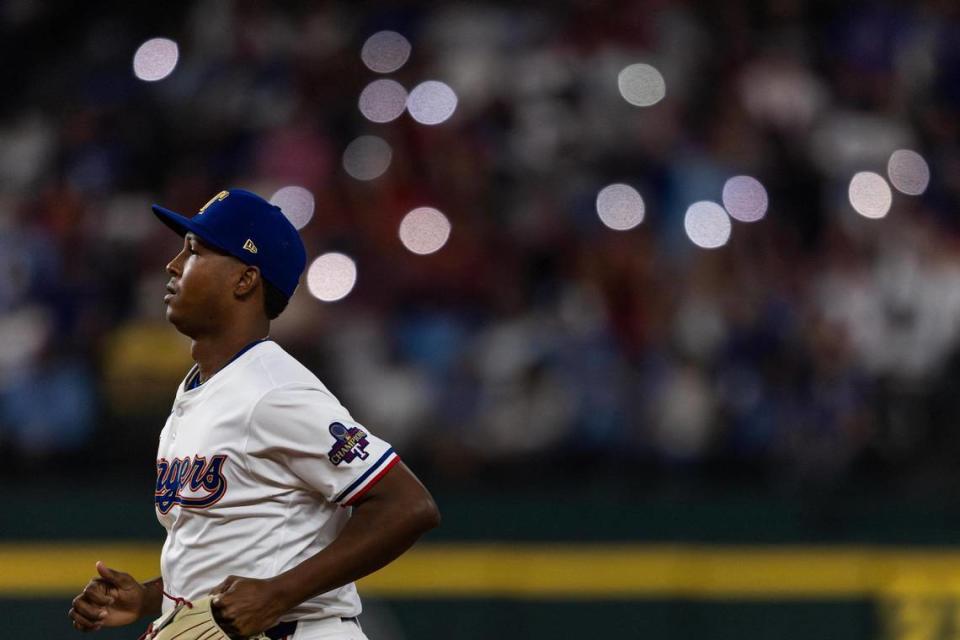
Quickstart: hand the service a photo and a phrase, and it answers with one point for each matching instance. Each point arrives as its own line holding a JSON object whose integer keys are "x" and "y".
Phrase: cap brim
{"x": 175, "y": 221}
{"x": 182, "y": 224}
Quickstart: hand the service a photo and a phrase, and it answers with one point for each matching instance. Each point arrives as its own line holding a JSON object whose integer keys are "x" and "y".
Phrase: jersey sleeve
{"x": 310, "y": 434}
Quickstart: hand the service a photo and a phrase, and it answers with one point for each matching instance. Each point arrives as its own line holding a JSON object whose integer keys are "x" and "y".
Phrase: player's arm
{"x": 115, "y": 599}
{"x": 386, "y": 521}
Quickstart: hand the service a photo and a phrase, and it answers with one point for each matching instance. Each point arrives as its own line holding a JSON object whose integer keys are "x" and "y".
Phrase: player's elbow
{"x": 425, "y": 513}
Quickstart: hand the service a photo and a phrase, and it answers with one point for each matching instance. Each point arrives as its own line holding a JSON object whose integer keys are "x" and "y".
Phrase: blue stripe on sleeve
{"x": 366, "y": 474}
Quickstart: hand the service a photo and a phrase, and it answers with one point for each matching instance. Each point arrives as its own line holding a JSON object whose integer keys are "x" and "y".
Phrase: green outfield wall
{"x": 724, "y": 566}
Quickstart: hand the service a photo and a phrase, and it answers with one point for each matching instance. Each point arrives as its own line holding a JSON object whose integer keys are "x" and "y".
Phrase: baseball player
{"x": 273, "y": 498}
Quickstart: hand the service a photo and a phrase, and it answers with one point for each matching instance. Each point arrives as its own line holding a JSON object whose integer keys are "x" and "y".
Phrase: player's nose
{"x": 173, "y": 267}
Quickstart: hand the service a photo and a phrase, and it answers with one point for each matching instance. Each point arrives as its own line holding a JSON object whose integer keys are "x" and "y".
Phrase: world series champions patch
{"x": 350, "y": 444}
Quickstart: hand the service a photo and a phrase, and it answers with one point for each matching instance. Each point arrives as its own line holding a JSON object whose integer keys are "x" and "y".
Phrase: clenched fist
{"x": 246, "y": 606}
{"x": 111, "y": 600}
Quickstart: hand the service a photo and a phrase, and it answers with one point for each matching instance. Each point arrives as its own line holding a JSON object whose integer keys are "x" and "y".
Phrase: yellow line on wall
{"x": 541, "y": 571}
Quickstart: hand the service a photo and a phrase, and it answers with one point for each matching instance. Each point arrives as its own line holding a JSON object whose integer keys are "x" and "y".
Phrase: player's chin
{"x": 173, "y": 317}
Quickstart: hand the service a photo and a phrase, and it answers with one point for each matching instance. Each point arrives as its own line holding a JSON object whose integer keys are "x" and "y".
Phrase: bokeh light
{"x": 331, "y": 277}
{"x": 707, "y": 224}
{"x": 908, "y": 172}
{"x": 431, "y": 102}
{"x": 620, "y": 206}
{"x": 641, "y": 85}
{"x": 424, "y": 230}
{"x": 385, "y": 51}
{"x": 155, "y": 59}
{"x": 745, "y": 199}
{"x": 870, "y": 194}
{"x": 296, "y": 203}
{"x": 383, "y": 100}
{"x": 367, "y": 157}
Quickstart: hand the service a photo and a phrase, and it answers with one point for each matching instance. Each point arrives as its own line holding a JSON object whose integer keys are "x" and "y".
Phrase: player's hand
{"x": 246, "y": 606}
{"x": 111, "y": 600}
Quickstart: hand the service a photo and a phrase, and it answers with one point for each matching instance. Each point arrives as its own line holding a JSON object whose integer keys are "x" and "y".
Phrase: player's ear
{"x": 247, "y": 282}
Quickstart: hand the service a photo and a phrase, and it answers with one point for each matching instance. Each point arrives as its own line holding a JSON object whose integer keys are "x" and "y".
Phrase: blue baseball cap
{"x": 250, "y": 229}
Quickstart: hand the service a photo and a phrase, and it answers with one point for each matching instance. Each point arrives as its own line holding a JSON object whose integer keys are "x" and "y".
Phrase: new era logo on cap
{"x": 250, "y": 229}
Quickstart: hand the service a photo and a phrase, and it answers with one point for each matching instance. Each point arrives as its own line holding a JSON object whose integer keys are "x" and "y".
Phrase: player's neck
{"x": 212, "y": 353}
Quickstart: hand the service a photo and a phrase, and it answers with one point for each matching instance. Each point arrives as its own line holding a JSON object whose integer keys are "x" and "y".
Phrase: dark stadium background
{"x": 627, "y": 434}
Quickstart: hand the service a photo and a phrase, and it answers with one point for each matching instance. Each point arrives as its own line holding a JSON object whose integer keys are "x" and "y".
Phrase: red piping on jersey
{"x": 372, "y": 482}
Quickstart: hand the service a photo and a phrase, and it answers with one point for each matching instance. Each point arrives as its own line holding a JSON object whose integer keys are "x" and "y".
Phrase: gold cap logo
{"x": 217, "y": 198}
{"x": 249, "y": 246}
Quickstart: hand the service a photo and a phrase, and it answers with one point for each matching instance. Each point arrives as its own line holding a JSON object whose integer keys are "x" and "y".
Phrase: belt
{"x": 284, "y": 629}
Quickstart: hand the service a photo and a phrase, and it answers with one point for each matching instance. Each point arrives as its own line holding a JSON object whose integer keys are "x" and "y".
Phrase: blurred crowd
{"x": 816, "y": 344}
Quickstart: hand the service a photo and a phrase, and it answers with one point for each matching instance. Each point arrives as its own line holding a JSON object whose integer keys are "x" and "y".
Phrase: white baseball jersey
{"x": 254, "y": 471}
